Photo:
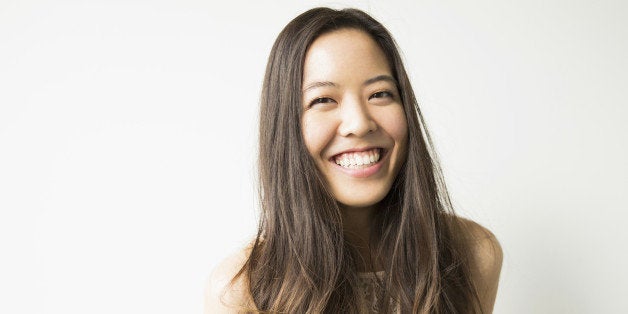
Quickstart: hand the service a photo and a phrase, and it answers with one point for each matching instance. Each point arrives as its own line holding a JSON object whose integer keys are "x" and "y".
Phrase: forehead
{"x": 344, "y": 54}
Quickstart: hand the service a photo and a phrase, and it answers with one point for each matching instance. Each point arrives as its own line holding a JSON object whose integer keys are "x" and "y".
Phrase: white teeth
{"x": 358, "y": 160}
{"x": 365, "y": 160}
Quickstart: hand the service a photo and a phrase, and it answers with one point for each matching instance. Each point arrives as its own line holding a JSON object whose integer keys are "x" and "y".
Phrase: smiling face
{"x": 353, "y": 121}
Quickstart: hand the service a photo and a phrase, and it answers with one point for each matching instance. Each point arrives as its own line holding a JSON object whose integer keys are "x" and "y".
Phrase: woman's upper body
{"x": 223, "y": 296}
{"x": 350, "y": 184}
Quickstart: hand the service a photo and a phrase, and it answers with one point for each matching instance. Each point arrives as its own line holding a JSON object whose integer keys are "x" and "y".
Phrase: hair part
{"x": 301, "y": 261}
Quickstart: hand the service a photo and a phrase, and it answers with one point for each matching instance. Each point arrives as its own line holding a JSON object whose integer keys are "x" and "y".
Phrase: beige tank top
{"x": 371, "y": 292}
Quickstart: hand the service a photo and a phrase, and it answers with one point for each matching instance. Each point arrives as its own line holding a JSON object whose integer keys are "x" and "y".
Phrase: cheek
{"x": 317, "y": 133}
{"x": 394, "y": 122}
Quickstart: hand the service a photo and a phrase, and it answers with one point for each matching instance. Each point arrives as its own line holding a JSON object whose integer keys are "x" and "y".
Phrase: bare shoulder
{"x": 224, "y": 295}
{"x": 485, "y": 261}
{"x": 485, "y": 249}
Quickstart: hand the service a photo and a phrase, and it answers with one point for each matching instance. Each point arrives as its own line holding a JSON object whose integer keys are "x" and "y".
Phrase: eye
{"x": 321, "y": 100}
{"x": 382, "y": 94}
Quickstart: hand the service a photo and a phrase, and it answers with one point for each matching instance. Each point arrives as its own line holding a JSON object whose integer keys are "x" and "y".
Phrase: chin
{"x": 361, "y": 201}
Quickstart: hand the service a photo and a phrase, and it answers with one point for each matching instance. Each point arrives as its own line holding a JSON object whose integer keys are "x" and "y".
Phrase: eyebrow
{"x": 370, "y": 81}
{"x": 319, "y": 84}
{"x": 380, "y": 78}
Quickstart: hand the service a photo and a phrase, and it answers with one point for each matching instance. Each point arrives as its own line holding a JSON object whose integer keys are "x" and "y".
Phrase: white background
{"x": 128, "y": 142}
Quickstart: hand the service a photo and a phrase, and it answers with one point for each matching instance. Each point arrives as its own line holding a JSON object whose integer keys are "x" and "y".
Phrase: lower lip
{"x": 364, "y": 172}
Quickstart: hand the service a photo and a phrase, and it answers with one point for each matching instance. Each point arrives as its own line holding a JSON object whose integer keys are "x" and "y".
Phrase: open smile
{"x": 360, "y": 163}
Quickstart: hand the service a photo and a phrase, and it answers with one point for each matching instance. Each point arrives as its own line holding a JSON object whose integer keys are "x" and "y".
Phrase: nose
{"x": 355, "y": 118}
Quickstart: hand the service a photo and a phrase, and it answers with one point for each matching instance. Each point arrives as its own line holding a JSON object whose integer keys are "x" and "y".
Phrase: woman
{"x": 355, "y": 214}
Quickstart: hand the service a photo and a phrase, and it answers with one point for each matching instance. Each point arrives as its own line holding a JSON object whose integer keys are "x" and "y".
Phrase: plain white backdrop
{"x": 128, "y": 143}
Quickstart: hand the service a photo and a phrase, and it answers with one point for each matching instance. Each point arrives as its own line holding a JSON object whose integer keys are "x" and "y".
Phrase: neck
{"x": 357, "y": 228}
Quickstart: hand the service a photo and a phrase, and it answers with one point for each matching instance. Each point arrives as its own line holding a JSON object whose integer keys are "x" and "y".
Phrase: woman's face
{"x": 354, "y": 124}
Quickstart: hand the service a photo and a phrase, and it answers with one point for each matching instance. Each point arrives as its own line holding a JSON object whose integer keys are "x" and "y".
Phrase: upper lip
{"x": 356, "y": 150}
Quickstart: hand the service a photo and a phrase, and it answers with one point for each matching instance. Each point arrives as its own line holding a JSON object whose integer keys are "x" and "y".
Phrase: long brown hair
{"x": 301, "y": 261}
